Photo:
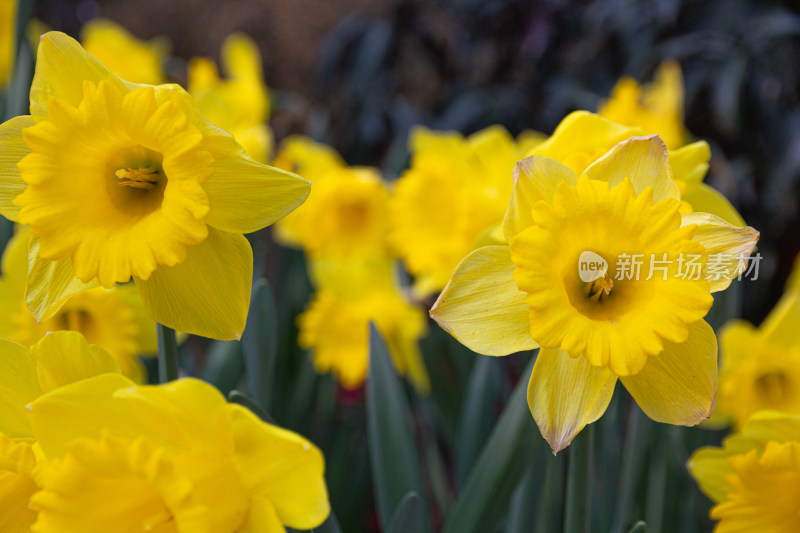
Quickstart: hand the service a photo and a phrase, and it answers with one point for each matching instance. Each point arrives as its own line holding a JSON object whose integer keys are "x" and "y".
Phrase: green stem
{"x": 167, "y": 354}
{"x": 579, "y": 483}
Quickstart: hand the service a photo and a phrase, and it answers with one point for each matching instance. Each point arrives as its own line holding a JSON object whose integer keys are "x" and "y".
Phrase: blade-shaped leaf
{"x": 392, "y": 448}
{"x": 259, "y": 344}
{"x": 407, "y": 517}
{"x": 502, "y": 463}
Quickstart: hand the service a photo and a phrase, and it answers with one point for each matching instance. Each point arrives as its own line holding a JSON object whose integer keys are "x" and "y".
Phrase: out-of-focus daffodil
{"x": 121, "y": 181}
{"x": 346, "y": 215}
{"x": 583, "y": 137}
{"x": 8, "y": 36}
{"x": 129, "y": 58}
{"x": 111, "y": 318}
{"x": 754, "y": 478}
{"x": 656, "y": 108}
{"x": 240, "y": 103}
{"x": 456, "y": 190}
{"x": 17, "y": 484}
{"x": 647, "y": 331}
{"x": 351, "y": 292}
{"x": 760, "y": 367}
{"x": 110, "y": 455}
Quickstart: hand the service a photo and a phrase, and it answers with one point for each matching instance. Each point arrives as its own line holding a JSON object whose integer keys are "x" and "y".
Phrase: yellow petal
{"x": 565, "y": 394}
{"x": 727, "y": 247}
{"x": 783, "y": 322}
{"x": 18, "y": 387}
{"x": 736, "y": 340}
{"x": 12, "y": 149}
{"x": 50, "y": 283}
{"x": 62, "y": 66}
{"x": 690, "y": 163}
{"x": 246, "y": 196}
{"x": 17, "y": 462}
{"x": 709, "y": 200}
{"x": 482, "y": 307}
{"x": 282, "y": 467}
{"x": 678, "y": 385}
{"x": 535, "y": 179}
{"x": 83, "y": 409}
{"x": 209, "y": 293}
{"x": 262, "y": 518}
{"x": 643, "y": 160}
{"x": 146, "y": 337}
{"x": 64, "y": 357}
{"x": 710, "y": 466}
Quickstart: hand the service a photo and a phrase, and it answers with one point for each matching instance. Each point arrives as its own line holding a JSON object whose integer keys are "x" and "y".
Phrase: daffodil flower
{"x": 94, "y": 452}
{"x": 760, "y": 367}
{"x": 121, "y": 181}
{"x": 657, "y": 107}
{"x": 648, "y": 332}
{"x": 351, "y": 292}
{"x": 239, "y": 104}
{"x": 128, "y": 57}
{"x": 111, "y": 318}
{"x": 754, "y": 478}
{"x": 455, "y": 190}
{"x": 346, "y": 215}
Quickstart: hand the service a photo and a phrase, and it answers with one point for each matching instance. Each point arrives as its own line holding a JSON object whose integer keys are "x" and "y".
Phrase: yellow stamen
{"x": 598, "y": 288}
{"x": 140, "y": 178}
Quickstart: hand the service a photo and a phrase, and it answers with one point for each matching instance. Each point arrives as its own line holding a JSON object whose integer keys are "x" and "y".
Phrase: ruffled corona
{"x": 620, "y": 324}
{"x": 137, "y": 163}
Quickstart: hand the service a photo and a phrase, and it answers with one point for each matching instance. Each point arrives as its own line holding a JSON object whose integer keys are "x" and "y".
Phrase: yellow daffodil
{"x": 125, "y": 55}
{"x": 454, "y": 191}
{"x": 121, "y": 181}
{"x": 239, "y": 104}
{"x": 94, "y": 453}
{"x": 346, "y": 215}
{"x": 754, "y": 478}
{"x": 113, "y": 319}
{"x": 583, "y": 137}
{"x": 175, "y": 457}
{"x": 351, "y": 292}
{"x": 612, "y": 320}
{"x": 657, "y": 107}
{"x": 760, "y": 367}
{"x": 8, "y": 36}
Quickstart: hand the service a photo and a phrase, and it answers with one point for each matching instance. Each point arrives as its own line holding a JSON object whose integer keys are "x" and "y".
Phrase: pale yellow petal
{"x": 690, "y": 163}
{"x": 727, "y": 247}
{"x": 707, "y": 199}
{"x": 678, "y": 386}
{"x": 64, "y": 357}
{"x": 50, "y": 283}
{"x": 146, "y": 337}
{"x": 209, "y": 293}
{"x": 643, "y": 160}
{"x": 566, "y": 393}
{"x": 246, "y": 196}
{"x": 12, "y": 149}
{"x": 18, "y": 387}
{"x": 736, "y": 340}
{"x": 482, "y": 307}
{"x": 282, "y": 467}
{"x": 535, "y": 179}
{"x": 62, "y": 66}
{"x": 782, "y": 325}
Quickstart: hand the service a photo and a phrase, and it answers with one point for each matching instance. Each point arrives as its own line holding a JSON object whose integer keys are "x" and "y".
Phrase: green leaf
{"x": 259, "y": 344}
{"x": 392, "y": 447}
{"x": 578, "y": 508}
{"x": 224, "y": 366}
{"x": 330, "y": 525}
{"x": 407, "y": 517}
{"x": 477, "y": 414}
{"x": 504, "y": 460}
{"x": 167, "y": 354}
{"x": 638, "y": 527}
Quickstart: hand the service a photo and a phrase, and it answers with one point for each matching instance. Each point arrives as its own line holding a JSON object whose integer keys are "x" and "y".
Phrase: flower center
{"x": 139, "y": 178}
{"x": 598, "y": 289}
{"x": 772, "y": 386}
